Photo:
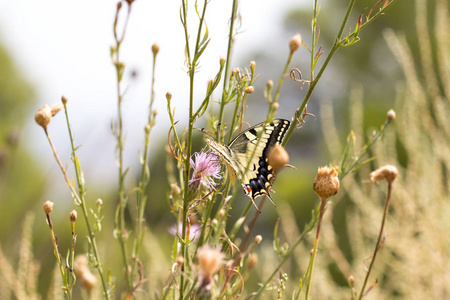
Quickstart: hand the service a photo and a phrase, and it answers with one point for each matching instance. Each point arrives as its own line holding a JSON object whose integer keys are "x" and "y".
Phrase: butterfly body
{"x": 247, "y": 156}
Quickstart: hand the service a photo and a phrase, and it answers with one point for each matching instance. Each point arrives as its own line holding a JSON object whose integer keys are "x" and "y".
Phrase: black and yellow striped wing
{"x": 247, "y": 157}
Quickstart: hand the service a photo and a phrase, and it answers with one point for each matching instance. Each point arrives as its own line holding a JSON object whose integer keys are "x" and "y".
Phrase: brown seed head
{"x": 278, "y": 158}
{"x": 387, "y": 172}
{"x": 48, "y": 207}
{"x": 326, "y": 183}
{"x": 168, "y": 96}
{"x": 295, "y": 42}
{"x": 43, "y": 116}
{"x": 55, "y": 108}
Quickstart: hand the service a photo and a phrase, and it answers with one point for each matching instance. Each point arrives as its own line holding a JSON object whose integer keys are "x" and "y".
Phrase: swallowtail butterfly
{"x": 247, "y": 158}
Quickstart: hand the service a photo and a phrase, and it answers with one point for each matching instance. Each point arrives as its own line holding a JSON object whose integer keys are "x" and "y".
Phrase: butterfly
{"x": 247, "y": 158}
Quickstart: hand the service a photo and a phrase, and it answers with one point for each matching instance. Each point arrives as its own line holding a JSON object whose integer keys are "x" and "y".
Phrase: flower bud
{"x": 387, "y": 172}
{"x": 252, "y": 261}
{"x": 99, "y": 202}
{"x": 155, "y": 49}
{"x": 48, "y": 207}
{"x": 249, "y": 89}
{"x": 295, "y": 42}
{"x": 326, "y": 183}
{"x": 73, "y": 216}
{"x": 64, "y": 99}
{"x": 258, "y": 239}
{"x": 43, "y": 116}
{"x": 278, "y": 158}
{"x": 168, "y": 96}
{"x": 391, "y": 115}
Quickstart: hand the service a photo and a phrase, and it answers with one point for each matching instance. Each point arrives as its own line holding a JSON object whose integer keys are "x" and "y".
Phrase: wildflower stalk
{"x": 192, "y": 63}
{"x": 316, "y": 244}
{"x": 120, "y": 230}
{"x": 67, "y": 289}
{"x": 80, "y": 200}
{"x": 377, "y": 246}
{"x": 227, "y": 64}
{"x": 141, "y": 198}
{"x": 339, "y": 42}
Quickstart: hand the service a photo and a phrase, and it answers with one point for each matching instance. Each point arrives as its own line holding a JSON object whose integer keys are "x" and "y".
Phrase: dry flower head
{"x": 326, "y": 183}
{"x": 48, "y": 207}
{"x": 295, "y": 42}
{"x": 387, "y": 172}
{"x": 278, "y": 158}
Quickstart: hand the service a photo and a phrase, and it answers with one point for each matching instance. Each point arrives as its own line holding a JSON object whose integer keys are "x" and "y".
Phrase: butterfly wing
{"x": 249, "y": 157}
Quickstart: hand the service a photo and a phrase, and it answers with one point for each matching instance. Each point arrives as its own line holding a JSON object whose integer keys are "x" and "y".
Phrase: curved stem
{"x": 380, "y": 235}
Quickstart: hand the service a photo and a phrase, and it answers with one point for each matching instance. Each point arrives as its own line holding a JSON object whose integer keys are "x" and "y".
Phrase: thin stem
{"x": 82, "y": 203}
{"x": 380, "y": 234}
{"x": 227, "y": 64}
{"x": 323, "y": 202}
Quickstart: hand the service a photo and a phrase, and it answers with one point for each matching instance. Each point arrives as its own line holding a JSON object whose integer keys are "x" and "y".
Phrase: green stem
{"x": 227, "y": 64}
{"x": 380, "y": 235}
{"x": 316, "y": 245}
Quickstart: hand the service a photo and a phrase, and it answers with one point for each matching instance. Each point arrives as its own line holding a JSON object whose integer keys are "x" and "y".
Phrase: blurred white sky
{"x": 62, "y": 47}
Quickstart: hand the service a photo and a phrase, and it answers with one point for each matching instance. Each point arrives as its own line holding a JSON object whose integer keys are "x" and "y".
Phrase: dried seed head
{"x": 99, "y": 202}
{"x": 43, "y": 116}
{"x": 48, "y": 207}
{"x": 83, "y": 273}
{"x": 387, "y": 172}
{"x": 55, "y": 108}
{"x": 391, "y": 115}
{"x": 295, "y": 42}
{"x": 180, "y": 260}
{"x": 351, "y": 279}
{"x": 278, "y": 158}
{"x": 155, "y": 49}
{"x": 210, "y": 260}
{"x": 249, "y": 89}
{"x": 252, "y": 261}
{"x": 258, "y": 239}
{"x": 326, "y": 183}
{"x": 73, "y": 216}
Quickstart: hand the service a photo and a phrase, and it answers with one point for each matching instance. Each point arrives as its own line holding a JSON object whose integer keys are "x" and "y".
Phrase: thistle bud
{"x": 73, "y": 216}
{"x": 43, "y": 116}
{"x": 252, "y": 261}
{"x": 387, "y": 172}
{"x": 295, "y": 43}
{"x": 278, "y": 158}
{"x": 249, "y": 89}
{"x": 326, "y": 183}
{"x": 155, "y": 49}
{"x": 48, "y": 207}
{"x": 391, "y": 115}
{"x": 258, "y": 239}
{"x": 168, "y": 96}
{"x": 64, "y": 99}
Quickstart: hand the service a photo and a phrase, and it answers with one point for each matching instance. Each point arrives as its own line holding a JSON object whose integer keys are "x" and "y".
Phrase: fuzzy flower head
{"x": 206, "y": 166}
{"x": 387, "y": 172}
{"x": 326, "y": 183}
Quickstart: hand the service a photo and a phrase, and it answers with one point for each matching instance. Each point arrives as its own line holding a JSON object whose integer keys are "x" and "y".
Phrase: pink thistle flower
{"x": 206, "y": 168}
